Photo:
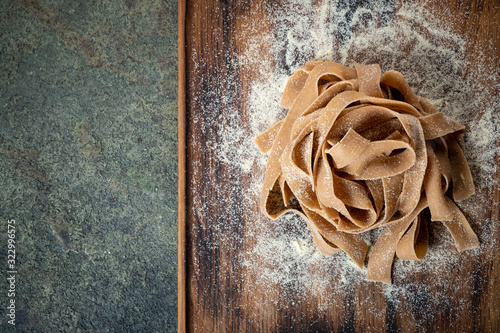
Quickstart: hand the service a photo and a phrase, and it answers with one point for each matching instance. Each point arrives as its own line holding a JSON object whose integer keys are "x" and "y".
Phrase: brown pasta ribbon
{"x": 359, "y": 150}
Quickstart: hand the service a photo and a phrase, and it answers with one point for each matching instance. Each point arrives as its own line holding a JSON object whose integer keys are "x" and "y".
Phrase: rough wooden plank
{"x": 181, "y": 238}
{"x": 218, "y": 296}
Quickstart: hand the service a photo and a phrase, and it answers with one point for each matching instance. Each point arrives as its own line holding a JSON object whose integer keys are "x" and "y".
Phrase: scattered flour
{"x": 433, "y": 60}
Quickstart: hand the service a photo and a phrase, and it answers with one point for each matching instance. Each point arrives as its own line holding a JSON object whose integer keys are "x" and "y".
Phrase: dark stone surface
{"x": 88, "y": 162}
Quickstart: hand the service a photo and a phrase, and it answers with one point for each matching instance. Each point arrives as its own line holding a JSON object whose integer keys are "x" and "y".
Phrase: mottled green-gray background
{"x": 88, "y": 161}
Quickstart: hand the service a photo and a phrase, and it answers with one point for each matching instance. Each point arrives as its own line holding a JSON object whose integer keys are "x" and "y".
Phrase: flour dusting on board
{"x": 433, "y": 60}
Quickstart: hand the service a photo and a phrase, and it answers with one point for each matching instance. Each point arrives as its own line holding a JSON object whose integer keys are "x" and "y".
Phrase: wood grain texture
{"x": 181, "y": 229}
{"x": 218, "y": 295}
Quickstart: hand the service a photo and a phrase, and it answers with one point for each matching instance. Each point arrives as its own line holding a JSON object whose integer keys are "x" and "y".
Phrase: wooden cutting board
{"x": 220, "y": 287}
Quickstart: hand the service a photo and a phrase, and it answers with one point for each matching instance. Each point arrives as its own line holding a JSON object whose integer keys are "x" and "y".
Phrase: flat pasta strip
{"x": 413, "y": 245}
{"x": 359, "y": 150}
{"x": 266, "y": 139}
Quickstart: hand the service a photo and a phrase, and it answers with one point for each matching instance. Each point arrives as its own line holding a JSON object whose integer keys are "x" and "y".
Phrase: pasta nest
{"x": 359, "y": 150}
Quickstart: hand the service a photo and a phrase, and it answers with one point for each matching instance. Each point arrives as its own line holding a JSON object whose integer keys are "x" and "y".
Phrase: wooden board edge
{"x": 181, "y": 217}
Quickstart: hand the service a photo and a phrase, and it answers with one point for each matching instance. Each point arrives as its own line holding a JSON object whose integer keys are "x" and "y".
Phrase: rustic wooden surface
{"x": 181, "y": 193}
{"x": 212, "y": 298}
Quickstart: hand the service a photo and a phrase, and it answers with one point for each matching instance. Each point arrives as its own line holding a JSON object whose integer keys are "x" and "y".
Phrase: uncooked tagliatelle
{"x": 359, "y": 150}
